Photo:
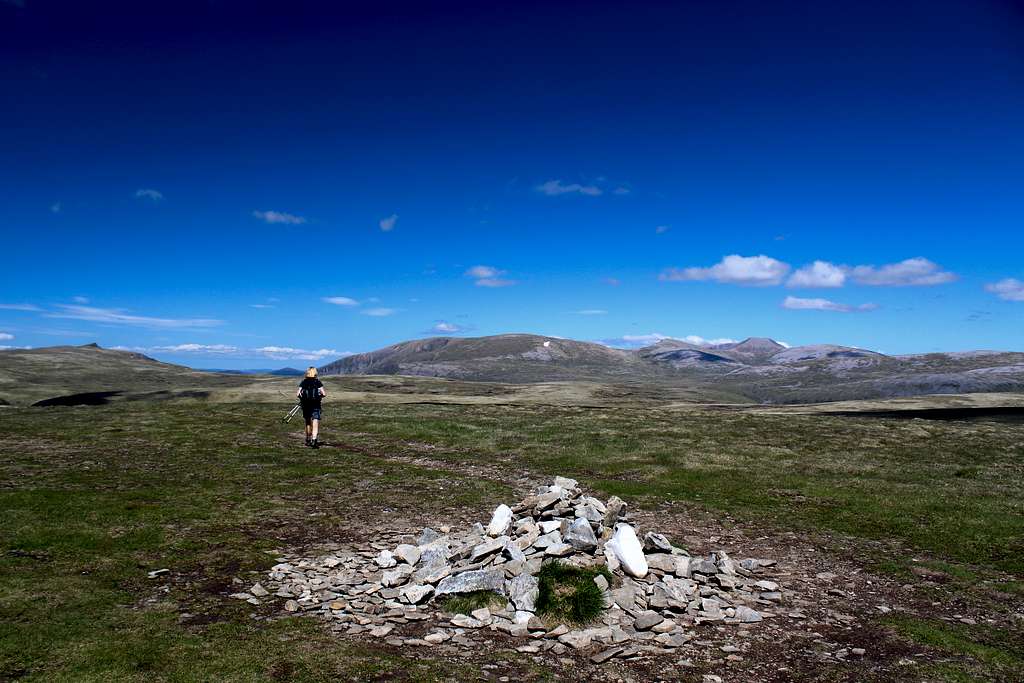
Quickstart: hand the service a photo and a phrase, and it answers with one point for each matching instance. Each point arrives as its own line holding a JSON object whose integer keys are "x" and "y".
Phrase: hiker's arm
{"x": 322, "y": 391}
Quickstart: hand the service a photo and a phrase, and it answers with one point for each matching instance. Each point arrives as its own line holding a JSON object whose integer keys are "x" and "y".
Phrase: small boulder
{"x": 581, "y": 536}
{"x": 407, "y": 553}
{"x": 500, "y": 520}
{"x": 630, "y": 555}
{"x": 385, "y": 560}
{"x": 656, "y": 543}
{"x": 475, "y": 580}
{"x": 647, "y": 619}
{"x": 523, "y": 591}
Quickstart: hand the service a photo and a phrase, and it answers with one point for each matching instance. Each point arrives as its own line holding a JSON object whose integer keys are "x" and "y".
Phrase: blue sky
{"x": 226, "y": 185}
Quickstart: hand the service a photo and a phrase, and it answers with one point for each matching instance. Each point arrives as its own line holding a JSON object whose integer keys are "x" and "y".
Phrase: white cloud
{"x": 5, "y": 336}
{"x": 757, "y": 271}
{"x": 279, "y": 217}
{"x": 262, "y": 306}
{"x": 911, "y": 272}
{"x": 55, "y": 207}
{"x": 488, "y": 276}
{"x": 154, "y": 195}
{"x": 640, "y": 340}
{"x": 116, "y": 316}
{"x": 19, "y": 307}
{"x": 380, "y": 312}
{"x": 445, "y": 327}
{"x": 592, "y": 311}
{"x": 612, "y": 281}
{"x": 797, "y": 304}
{"x": 1008, "y": 289}
{"x": 818, "y": 274}
{"x": 554, "y": 188}
{"x": 697, "y": 340}
{"x": 661, "y": 229}
{"x": 340, "y": 301}
{"x": 80, "y": 299}
{"x": 621, "y": 190}
{"x": 483, "y": 271}
{"x": 272, "y": 352}
{"x": 199, "y": 348}
{"x": 290, "y": 353}
{"x": 388, "y": 224}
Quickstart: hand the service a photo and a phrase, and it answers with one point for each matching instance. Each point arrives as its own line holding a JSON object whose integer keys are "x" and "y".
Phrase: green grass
{"x": 467, "y": 602}
{"x": 89, "y": 509}
{"x": 988, "y": 652}
{"x": 93, "y": 498}
{"x": 568, "y": 594}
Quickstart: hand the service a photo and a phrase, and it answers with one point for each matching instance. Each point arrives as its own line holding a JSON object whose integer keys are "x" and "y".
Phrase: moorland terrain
{"x": 756, "y": 369}
{"x": 898, "y": 530}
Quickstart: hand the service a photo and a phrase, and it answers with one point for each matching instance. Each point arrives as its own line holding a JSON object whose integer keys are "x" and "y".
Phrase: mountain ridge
{"x": 759, "y": 368}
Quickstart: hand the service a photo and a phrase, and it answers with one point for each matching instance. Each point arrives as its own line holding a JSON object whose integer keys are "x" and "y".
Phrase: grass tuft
{"x": 568, "y": 594}
{"x": 467, "y": 602}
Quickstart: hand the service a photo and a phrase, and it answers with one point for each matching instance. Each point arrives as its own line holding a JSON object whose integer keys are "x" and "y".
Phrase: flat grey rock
{"x": 477, "y": 580}
{"x": 581, "y": 536}
{"x": 523, "y": 592}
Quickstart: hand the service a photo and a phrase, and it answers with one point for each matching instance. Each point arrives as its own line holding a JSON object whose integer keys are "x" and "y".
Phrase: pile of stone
{"x": 658, "y": 593}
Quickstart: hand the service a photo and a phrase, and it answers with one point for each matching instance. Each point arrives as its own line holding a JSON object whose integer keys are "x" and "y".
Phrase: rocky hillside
{"x": 515, "y": 358}
{"x": 98, "y": 375}
{"x": 760, "y": 369}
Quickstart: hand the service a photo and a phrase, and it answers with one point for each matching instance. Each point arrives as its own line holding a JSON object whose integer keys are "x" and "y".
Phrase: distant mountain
{"x": 31, "y": 375}
{"x": 517, "y": 358}
{"x": 282, "y": 372}
{"x": 758, "y": 368}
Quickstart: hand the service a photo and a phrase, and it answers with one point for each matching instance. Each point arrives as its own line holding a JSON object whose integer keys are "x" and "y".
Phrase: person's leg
{"x": 309, "y": 430}
{"x": 316, "y": 429}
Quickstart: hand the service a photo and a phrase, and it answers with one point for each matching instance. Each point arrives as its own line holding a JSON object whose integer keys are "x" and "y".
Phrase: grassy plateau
{"x": 92, "y": 498}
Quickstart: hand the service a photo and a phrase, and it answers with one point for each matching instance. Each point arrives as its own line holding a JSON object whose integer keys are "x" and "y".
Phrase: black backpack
{"x": 310, "y": 392}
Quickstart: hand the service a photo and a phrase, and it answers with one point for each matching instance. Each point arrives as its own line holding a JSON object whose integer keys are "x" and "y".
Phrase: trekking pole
{"x": 291, "y": 413}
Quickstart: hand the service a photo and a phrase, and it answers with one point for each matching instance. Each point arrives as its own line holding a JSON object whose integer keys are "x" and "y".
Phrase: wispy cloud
{"x": 19, "y": 307}
{"x": 291, "y": 353}
{"x": 818, "y": 274}
{"x": 661, "y": 229}
{"x": 388, "y": 224}
{"x": 279, "y": 217}
{"x": 632, "y": 341}
{"x": 150, "y": 194}
{"x": 612, "y": 281}
{"x": 55, "y": 207}
{"x": 1008, "y": 289}
{"x": 756, "y": 271}
{"x": 4, "y": 336}
{"x": 262, "y": 306}
{"x": 555, "y": 188}
{"x": 799, "y": 304}
{"x": 445, "y": 327}
{"x": 913, "y": 272}
{"x": 621, "y": 190}
{"x": 380, "y": 312}
{"x": 591, "y": 311}
{"x": 116, "y": 316}
{"x": 340, "y": 301}
{"x": 80, "y": 299}
{"x": 272, "y": 352}
{"x": 488, "y": 276}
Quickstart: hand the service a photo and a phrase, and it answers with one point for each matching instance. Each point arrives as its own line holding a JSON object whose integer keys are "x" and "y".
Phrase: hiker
{"x": 310, "y": 394}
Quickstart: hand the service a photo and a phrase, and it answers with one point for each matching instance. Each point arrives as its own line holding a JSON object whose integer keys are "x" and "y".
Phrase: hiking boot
{"x": 308, "y": 441}
{"x": 314, "y": 443}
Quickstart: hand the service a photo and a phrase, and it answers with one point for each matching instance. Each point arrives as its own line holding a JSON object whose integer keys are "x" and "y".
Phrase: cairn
{"x": 659, "y": 592}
